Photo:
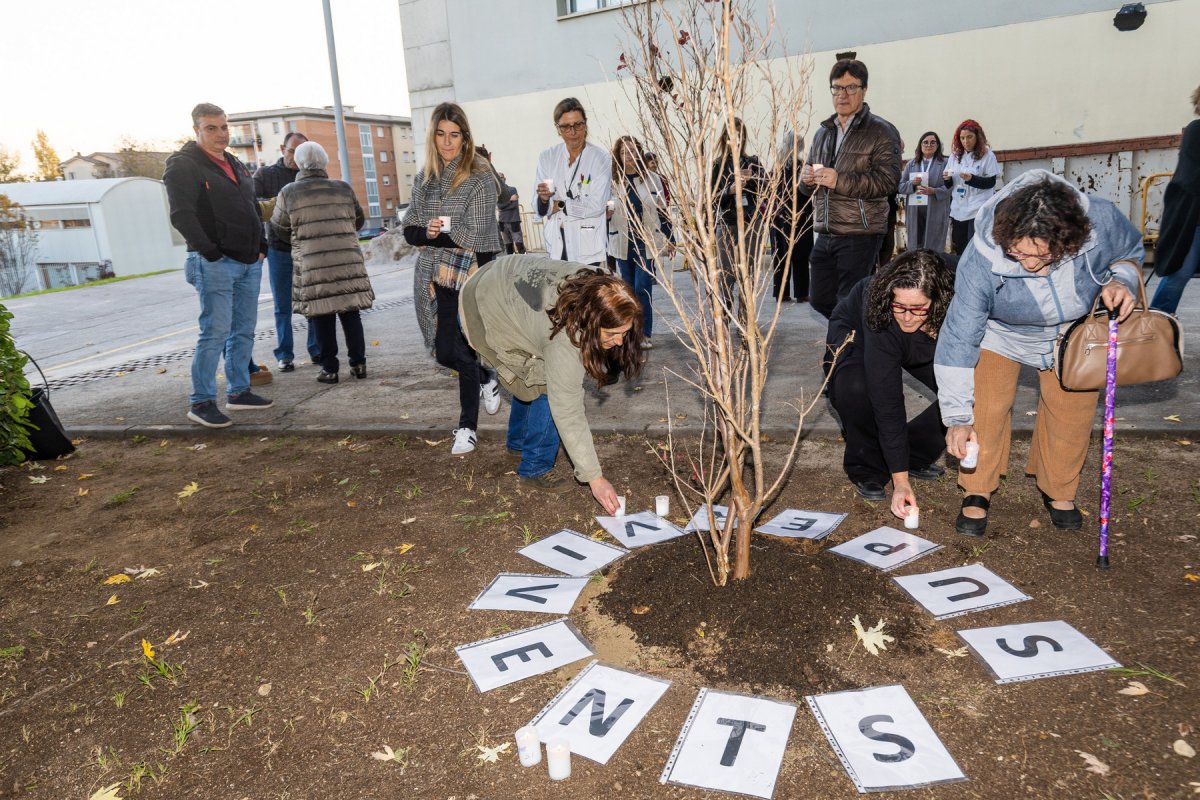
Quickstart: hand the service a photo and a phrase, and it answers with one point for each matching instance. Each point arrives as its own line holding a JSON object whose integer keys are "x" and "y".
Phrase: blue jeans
{"x": 531, "y": 432}
{"x": 1170, "y": 289}
{"x": 280, "y": 275}
{"x": 228, "y": 291}
{"x": 638, "y": 272}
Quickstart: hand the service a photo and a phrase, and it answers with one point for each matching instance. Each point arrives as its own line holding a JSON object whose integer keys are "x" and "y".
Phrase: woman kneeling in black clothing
{"x": 895, "y": 316}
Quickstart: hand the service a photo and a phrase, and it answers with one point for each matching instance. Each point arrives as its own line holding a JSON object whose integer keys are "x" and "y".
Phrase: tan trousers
{"x": 1060, "y": 436}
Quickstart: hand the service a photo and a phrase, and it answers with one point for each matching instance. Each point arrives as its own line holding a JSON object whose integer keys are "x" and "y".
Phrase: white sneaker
{"x": 464, "y": 441}
{"x": 490, "y": 392}
{"x": 647, "y": 344}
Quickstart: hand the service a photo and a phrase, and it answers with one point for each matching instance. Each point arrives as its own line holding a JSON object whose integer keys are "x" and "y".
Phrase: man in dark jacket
{"x": 211, "y": 195}
{"x": 853, "y": 166}
{"x": 268, "y": 181}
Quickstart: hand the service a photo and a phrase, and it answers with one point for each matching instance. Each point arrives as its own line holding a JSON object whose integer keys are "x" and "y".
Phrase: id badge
{"x": 960, "y": 191}
{"x": 918, "y": 200}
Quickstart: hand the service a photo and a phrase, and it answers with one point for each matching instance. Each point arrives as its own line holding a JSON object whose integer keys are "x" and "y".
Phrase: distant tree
{"x": 47, "y": 160}
{"x": 137, "y": 159}
{"x": 10, "y": 162}
{"x": 18, "y": 247}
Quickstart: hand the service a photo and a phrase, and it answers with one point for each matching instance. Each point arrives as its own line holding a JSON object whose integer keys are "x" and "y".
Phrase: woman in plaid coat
{"x": 452, "y": 218}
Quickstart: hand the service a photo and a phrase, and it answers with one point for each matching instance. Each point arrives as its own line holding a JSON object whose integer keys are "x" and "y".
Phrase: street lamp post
{"x": 339, "y": 118}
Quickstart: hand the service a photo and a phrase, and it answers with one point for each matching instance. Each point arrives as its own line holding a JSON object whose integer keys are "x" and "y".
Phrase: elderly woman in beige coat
{"x": 322, "y": 218}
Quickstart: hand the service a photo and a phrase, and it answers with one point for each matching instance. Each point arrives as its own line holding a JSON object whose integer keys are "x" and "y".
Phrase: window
{"x": 383, "y": 156}
{"x": 387, "y": 180}
{"x": 77, "y": 223}
{"x": 291, "y": 127}
{"x": 274, "y": 127}
{"x": 364, "y": 139}
{"x": 71, "y": 175}
{"x": 566, "y": 7}
{"x": 389, "y": 204}
{"x": 379, "y": 132}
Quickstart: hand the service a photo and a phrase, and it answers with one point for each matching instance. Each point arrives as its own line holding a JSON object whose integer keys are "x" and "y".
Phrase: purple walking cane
{"x": 1110, "y": 394}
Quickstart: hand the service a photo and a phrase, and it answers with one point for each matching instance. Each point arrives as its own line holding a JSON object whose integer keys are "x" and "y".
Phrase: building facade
{"x": 93, "y": 229}
{"x": 379, "y": 147}
{"x": 1054, "y": 84}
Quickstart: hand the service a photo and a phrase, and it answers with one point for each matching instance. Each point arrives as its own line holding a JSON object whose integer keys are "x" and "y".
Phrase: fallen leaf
{"x": 1172, "y": 418}
{"x": 121, "y": 375}
{"x": 199, "y": 584}
{"x": 198, "y": 447}
{"x": 408, "y": 521}
{"x": 1188, "y": 576}
{"x": 1134, "y": 689}
{"x": 61, "y": 468}
{"x": 351, "y": 504}
{"x": 404, "y": 548}
{"x": 147, "y": 650}
{"x": 1183, "y": 748}
{"x": 1033, "y": 523}
{"x": 1184, "y": 442}
{"x": 432, "y": 442}
{"x": 164, "y": 442}
{"x": 107, "y": 793}
{"x": 374, "y": 343}
{"x": 1094, "y": 764}
{"x": 142, "y": 572}
{"x": 873, "y": 639}
{"x": 371, "y": 566}
{"x": 38, "y": 478}
{"x": 405, "y": 415}
{"x": 83, "y": 476}
{"x": 361, "y": 447}
{"x": 959, "y": 653}
{"x": 188, "y": 490}
{"x": 82, "y": 492}
{"x": 176, "y": 638}
{"x": 119, "y": 419}
{"x": 386, "y": 754}
{"x": 264, "y": 690}
{"x": 639, "y": 610}
{"x": 112, "y": 601}
{"x": 115, "y": 579}
{"x": 78, "y": 441}
{"x": 161, "y": 370}
{"x": 491, "y": 755}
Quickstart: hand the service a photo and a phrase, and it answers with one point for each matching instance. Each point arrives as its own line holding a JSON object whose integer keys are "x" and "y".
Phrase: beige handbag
{"x": 1149, "y": 348}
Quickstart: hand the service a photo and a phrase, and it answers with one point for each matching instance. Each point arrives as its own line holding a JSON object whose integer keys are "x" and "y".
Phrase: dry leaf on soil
{"x": 112, "y": 601}
{"x": 404, "y": 548}
{"x": 1094, "y": 764}
{"x": 371, "y": 566}
{"x": 873, "y": 639}
{"x": 491, "y": 755}
{"x": 959, "y": 653}
{"x": 82, "y": 492}
{"x": 111, "y": 792}
{"x": 198, "y": 447}
{"x": 113, "y": 580}
{"x": 1134, "y": 689}
{"x": 188, "y": 490}
{"x": 176, "y": 638}
{"x": 386, "y": 754}
{"x": 1183, "y": 748}
{"x": 38, "y": 478}
{"x": 83, "y": 476}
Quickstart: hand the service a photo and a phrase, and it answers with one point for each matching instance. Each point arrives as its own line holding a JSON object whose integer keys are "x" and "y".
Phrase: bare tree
{"x": 693, "y": 66}
{"x": 18, "y": 247}
{"x": 137, "y": 159}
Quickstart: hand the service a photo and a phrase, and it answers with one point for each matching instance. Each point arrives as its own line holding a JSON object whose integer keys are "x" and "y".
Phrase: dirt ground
{"x": 303, "y": 599}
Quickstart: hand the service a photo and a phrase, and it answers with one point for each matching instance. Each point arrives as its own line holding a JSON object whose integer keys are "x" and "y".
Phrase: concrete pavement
{"x": 134, "y": 375}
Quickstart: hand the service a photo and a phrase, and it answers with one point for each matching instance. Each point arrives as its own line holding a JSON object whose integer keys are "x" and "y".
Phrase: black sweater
{"x": 883, "y": 354}
{"x": 216, "y": 216}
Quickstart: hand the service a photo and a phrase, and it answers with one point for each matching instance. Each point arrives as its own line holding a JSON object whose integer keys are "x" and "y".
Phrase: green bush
{"x": 14, "y": 402}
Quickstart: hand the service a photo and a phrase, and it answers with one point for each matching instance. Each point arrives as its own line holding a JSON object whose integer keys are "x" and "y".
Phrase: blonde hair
{"x": 468, "y": 160}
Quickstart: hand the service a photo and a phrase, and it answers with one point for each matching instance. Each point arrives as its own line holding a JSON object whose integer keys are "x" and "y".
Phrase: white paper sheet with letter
{"x": 1035, "y": 650}
{"x": 885, "y": 548}
{"x": 599, "y": 709}
{"x": 797, "y": 524}
{"x": 883, "y": 739}
{"x": 518, "y": 655}
{"x": 731, "y": 743}
{"x": 545, "y": 594}
{"x": 640, "y": 529}
{"x": 960, "y": 590}
{"x": 700, "y": 518}
{"x": 572, "y": 553}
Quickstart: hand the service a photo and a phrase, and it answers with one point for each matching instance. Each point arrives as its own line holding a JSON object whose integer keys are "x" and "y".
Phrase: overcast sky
{"x": 91, "y": 72}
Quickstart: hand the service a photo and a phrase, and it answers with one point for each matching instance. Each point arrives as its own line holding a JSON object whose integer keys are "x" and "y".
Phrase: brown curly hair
{"x": 1048, "y": 210}
{"x": 916, "y": 269}
{"x": 589, "y": 301}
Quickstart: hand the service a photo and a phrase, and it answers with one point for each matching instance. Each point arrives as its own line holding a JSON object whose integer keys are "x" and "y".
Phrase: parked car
{"x": 371, "y": 233}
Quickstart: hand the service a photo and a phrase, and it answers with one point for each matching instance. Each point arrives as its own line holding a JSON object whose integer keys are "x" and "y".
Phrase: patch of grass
{"x": 90, "y": 284}
{"x": 526, "y": 534}
{"x": 187, "y": 722}
{"x": 13, "y": 653}
{"x": 412, "y": 664}
{"x": 140, "y": 439}
{"x": 118, "y": 698}
{"x": 311, "y": 612}
{"x": 120, "y": 498}
{"x": 1146, "y": 671}
{"x": 479, "y": 520}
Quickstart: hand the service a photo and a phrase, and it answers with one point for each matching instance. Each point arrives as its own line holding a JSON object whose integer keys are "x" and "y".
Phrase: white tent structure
{"x": 87, "y": 230}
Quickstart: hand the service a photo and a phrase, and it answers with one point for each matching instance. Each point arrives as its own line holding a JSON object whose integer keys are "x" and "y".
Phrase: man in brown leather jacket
{"x": 853, "y": 166}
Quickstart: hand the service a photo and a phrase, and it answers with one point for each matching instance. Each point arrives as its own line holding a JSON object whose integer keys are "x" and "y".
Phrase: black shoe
{"x": 315, "y": 361}
{"x": 358, "y": 370}
{"x": 1068, "y": 520}
{"x": 246, "y": 401}
{"x": 930, "y": 472}
{"x": 208, "y": 415}
{"x": 969, "y": 526}
{"x": 870, "y": 490}
{"x": 327, "y": 377}
{"x": 286, "y": 366}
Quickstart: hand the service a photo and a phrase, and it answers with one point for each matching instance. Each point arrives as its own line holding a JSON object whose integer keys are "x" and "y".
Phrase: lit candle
{"x": 529, "y": 746}
{"x": 558, "y": 759}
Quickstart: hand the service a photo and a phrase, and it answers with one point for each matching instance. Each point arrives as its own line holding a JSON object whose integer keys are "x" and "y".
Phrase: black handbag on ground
{"x": 49, "y": 440}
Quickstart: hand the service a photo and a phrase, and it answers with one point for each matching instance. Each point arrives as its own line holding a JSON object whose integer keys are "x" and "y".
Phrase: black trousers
{"x": 452, "y": 351}
{"x": 352, "y": 330}
{"x": 863, "y": 459}
{"x": 961, "y": 232}
{"x": 798, "y": 271}
{"x": 839, "y": 262}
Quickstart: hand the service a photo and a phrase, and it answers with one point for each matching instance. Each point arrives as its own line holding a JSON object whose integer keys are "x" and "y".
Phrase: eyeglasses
{"x": 916, "y": 311}
{"x": 572, "y": 128}
{"x": 930, "y": 141}
{"x": 849, "y": 90}
{"x": 1017, "y": 255}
